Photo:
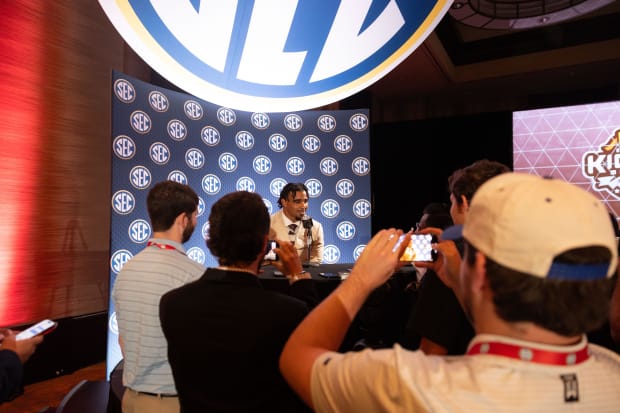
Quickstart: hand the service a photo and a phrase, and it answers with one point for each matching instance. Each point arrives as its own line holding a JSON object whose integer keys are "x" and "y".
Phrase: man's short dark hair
{"x": 466, "y": 181}
{"x": 167, "y": 200}
{"x": 565, "y": 307}
{"x": 437, "y": 215}
{"x": 238, "y": 224}
{"x": 291, "y": 188}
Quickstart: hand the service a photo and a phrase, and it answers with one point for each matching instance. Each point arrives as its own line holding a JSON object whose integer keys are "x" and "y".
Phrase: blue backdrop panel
{"x": 159, "y": 134}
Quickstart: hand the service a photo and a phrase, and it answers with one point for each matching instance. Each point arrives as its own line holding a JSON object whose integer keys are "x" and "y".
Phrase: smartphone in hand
{"x": 42, "y": 327}
{"x": 270, "y": 254}
{"x": 419, "y": 248}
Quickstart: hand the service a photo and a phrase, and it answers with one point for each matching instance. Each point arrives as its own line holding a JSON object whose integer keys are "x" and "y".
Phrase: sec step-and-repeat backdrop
{"x": 160, "y": 134}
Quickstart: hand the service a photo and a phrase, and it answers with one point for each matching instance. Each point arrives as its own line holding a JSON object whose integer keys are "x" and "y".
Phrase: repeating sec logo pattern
{"x": 217, "y": 150}
{"x": 212, "y": 182}
{"x": 293, "y": 55}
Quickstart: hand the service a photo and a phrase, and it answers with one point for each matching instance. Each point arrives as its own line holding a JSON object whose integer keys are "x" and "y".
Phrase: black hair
{"x": 466, "y": 181}
{"x": 291, "y": 188}
{"x": 238, "y": 224}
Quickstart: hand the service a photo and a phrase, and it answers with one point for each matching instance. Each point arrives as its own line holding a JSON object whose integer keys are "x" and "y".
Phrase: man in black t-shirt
{"x": 439, "y": 319}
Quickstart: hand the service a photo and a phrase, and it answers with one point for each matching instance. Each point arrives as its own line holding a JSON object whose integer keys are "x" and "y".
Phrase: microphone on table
{"x": 306, "y": 222}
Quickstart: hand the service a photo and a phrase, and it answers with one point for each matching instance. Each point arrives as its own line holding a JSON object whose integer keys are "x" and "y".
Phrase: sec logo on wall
{"x": 274, "y": 55}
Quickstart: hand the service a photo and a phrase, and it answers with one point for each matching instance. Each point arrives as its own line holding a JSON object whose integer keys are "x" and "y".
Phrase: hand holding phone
{"x": 42, "y": 327}
{"x": 270, "y": 254}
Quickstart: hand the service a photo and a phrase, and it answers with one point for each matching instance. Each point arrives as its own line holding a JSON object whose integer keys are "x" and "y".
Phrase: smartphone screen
{"x": 419, "y": 248}
{"x": 41, "y": 327}
{"x": 270, "y": 254}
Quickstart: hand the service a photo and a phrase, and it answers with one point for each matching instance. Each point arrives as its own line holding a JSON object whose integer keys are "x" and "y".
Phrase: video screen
{"x": 579, "y": 144}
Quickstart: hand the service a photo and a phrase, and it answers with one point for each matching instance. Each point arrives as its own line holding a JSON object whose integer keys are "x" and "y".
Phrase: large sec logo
{"x": 277, "y": 55}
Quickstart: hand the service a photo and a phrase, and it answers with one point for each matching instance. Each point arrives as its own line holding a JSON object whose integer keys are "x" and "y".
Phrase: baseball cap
{"x": 524, "y": 221}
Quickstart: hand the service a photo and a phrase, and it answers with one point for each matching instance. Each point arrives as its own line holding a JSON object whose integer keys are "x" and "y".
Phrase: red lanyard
{"x": 162, "y": 246}
{"x": 558, "y": 358}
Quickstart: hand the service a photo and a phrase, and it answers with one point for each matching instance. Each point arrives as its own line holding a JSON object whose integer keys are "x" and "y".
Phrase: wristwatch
{"x": 302, "y": 275}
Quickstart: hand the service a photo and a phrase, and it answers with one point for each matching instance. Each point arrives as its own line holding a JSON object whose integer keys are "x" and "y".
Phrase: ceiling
{"x": 576, "y": 59}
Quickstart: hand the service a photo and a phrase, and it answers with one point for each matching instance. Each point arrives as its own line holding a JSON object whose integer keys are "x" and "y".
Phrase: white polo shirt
{"x": 497, "y": 375}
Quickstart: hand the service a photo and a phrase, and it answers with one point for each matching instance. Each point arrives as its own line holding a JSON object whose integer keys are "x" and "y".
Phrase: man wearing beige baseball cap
{"x": 534, "y": 279}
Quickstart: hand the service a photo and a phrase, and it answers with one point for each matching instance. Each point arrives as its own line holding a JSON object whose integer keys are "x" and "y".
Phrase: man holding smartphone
{"x": 13, "y": 354}
{"x": 539, "y": 256}
{"x": 439, "y": 319}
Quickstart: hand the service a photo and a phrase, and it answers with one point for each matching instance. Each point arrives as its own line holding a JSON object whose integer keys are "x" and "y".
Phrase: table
{"x": 381, "y": 320}
{"x": 324, "y": 285}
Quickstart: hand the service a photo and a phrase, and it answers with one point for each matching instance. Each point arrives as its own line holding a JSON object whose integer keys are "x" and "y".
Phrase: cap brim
{"x": 452, "y": 233}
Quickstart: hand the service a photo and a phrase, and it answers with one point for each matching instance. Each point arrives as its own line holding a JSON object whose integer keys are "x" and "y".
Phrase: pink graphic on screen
{"x": 578, "y": 144}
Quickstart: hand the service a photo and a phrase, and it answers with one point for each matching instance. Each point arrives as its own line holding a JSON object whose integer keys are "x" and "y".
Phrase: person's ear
{"x": 464, "y": 204}
{"x": 182, "y": 220}
{"x": 479, "y": 280}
